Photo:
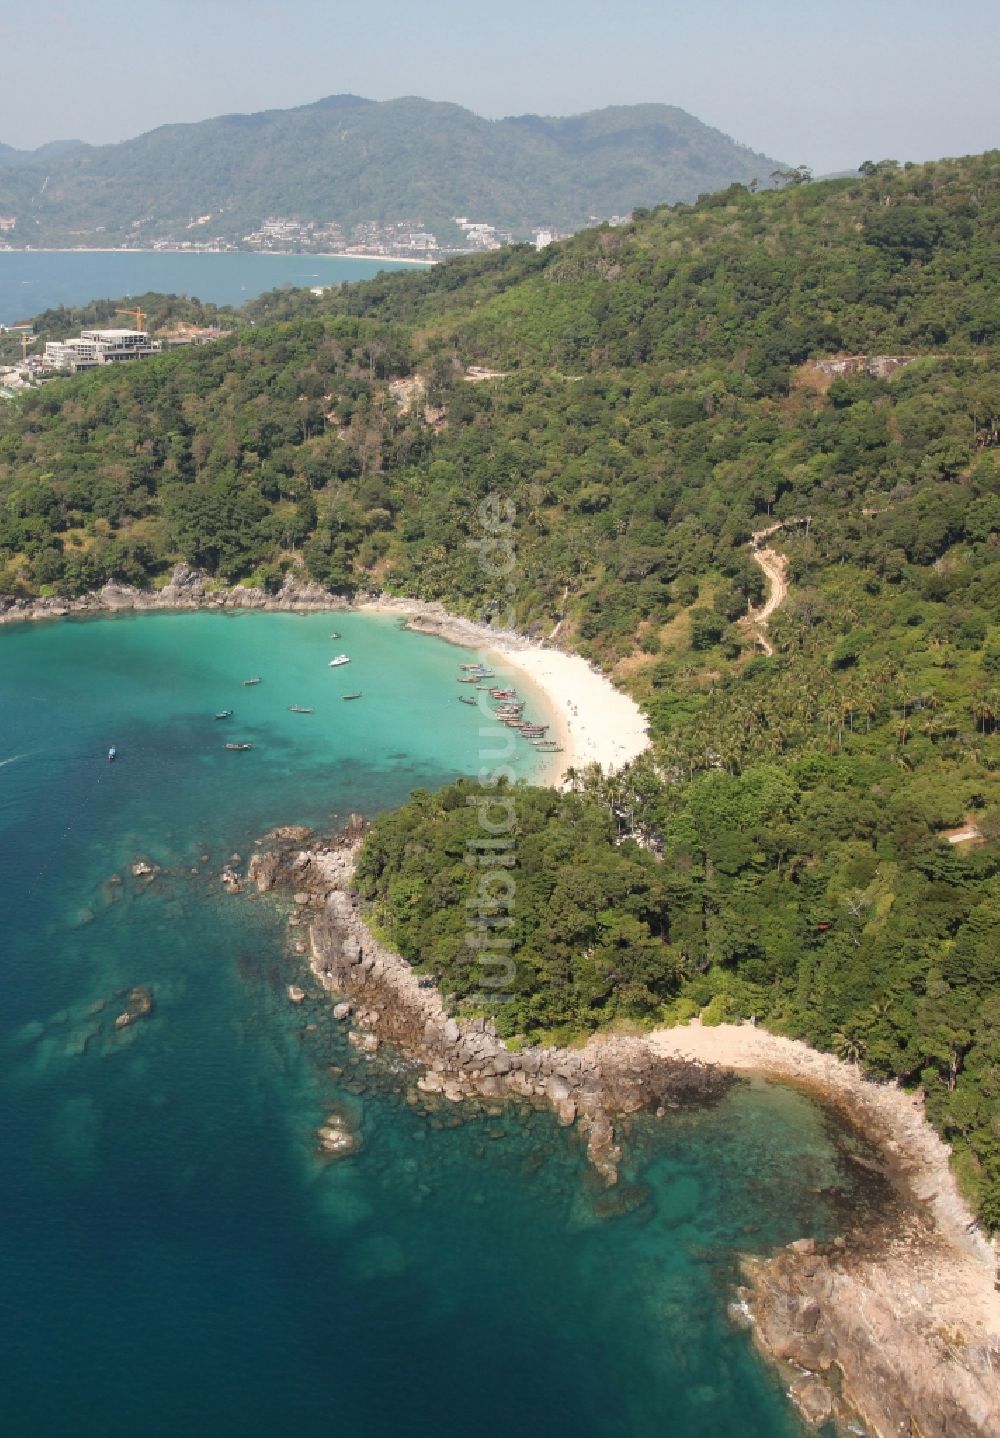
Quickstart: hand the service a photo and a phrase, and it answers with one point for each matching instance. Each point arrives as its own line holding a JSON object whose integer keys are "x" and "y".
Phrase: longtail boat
{"x": 464, "y": 699}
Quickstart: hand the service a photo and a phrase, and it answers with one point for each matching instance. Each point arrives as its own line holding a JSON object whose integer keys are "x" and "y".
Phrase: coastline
{"x": 593, "y": 721}
{"x": 142, "y": 250}
{"x": 894, "y": 1324}
{"x": 915, "y": 1299}
{"x": 902, "y": 1320}
{"x": 884, "y": 1111}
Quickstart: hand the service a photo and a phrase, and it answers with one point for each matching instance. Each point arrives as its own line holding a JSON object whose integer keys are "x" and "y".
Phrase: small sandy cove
{"x": 593, "y": 721}
{"x": 959, "y": 1277}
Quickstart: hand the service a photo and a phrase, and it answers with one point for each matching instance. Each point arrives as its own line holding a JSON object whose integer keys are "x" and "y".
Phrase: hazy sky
{"x": 825, "y": 84}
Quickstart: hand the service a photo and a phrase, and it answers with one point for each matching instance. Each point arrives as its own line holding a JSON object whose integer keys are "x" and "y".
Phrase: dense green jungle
{"x": 614, "y": 418}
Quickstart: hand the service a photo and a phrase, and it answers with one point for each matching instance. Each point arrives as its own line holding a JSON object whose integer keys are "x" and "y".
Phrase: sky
{"x": 826, "y": 83}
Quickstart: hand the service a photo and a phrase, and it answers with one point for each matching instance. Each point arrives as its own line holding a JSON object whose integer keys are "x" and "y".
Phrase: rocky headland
{"x": 385, "y": 1000}
{"x": 890, "y": 1329}
{"x": 186, "y": 589}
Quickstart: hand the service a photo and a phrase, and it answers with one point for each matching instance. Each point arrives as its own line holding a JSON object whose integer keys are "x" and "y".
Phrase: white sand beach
{"x": 594, "y": 722}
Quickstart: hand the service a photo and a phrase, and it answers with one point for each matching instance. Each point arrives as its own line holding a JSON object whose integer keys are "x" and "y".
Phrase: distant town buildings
{"x": 399, "y": 239}
{"x": 283, "y": 234}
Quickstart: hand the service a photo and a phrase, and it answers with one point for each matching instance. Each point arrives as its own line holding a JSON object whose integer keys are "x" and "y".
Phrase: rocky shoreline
{"x": 857, "y": 1326}
{"x": 186, "y": 589}
{"x": 896, "y": 1323}
{"x": 385, "y": 1000}
{"x": 853, "y": 1327}
{"x": 191, "y": 589}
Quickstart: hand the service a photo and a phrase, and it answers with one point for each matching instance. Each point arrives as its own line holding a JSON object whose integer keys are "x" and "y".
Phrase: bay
{"x": 174, "y": 1257}
{"x": 35, "y": 280}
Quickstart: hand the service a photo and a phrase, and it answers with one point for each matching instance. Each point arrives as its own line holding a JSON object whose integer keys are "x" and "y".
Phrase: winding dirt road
{"x": 775, "y": 567}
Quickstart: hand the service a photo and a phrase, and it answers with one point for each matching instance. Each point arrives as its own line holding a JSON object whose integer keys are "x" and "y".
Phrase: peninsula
{"x": 760, "y": 516}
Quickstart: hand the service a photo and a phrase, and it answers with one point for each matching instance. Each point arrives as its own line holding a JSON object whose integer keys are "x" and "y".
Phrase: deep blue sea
{"x": 174, "y": 1257}
{"x": 32, "y": 281}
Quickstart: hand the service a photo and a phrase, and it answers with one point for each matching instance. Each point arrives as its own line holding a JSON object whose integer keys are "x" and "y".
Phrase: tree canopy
{"x": 642, "y": 401}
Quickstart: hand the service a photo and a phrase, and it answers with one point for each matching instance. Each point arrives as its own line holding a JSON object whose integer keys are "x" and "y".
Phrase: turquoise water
{"x": 174, "y": 1258}
{"x": 32, "y": 281}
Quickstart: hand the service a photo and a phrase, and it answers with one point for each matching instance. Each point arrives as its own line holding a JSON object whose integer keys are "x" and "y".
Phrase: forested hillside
{"x": 351, "y": 160}
{"x": 658, "y": 393}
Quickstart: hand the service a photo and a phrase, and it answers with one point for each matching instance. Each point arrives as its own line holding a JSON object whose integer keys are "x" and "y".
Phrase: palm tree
{"x": 849, "y": 1047}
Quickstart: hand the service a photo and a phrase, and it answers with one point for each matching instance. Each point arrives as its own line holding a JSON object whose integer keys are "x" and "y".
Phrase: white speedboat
{"x": 340, "y": 659}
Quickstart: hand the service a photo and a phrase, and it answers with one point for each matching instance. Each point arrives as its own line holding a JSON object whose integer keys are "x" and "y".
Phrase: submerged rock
{"x": 335, "y": 1138}
{"x": 290, "y": 834}
{"x": 138, "y": 1005}
{"x": 366, "y": 1043}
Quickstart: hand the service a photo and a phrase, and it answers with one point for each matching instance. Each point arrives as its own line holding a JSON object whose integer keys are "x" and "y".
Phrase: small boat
{"x": 503, "y": 693}
{"x": 298, "y": 709}
{"x": 336, "y": 634}
{"x": 224, "y": 714}
{"x": 340, "y": 659}
{"x": 351, "y": 696}
{"x": 549, "y": 745}
{"x": 477, "y": 665}
{"x": 112, "y": 754}
{"x": 239, "y": 747}
{"x": 464, "y": 699}
{"x": 467, "y": 679}
{"x": 247, "y": 682}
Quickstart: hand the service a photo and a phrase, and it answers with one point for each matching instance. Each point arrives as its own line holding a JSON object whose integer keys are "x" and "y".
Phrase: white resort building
{"x": 97, "y": 347}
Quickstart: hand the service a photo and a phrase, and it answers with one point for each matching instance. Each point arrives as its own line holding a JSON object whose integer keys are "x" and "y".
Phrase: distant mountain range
{"x": 351, "y": 161}
{"x": 43, "y": 155}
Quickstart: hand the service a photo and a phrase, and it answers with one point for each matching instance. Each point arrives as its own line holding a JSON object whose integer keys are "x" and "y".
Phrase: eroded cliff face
{"x": 387, "y": 1001}
{"x": 851, "y": 1324}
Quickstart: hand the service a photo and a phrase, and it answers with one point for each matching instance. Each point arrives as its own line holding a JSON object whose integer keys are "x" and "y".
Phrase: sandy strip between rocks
{"x": 961, "y": 1290}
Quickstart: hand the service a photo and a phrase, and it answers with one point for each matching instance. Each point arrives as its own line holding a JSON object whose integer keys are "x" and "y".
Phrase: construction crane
{"x": 136, "y": 314}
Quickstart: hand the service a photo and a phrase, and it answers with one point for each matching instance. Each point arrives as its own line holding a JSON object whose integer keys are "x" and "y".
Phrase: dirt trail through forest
{"x": 775, "y": 567}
